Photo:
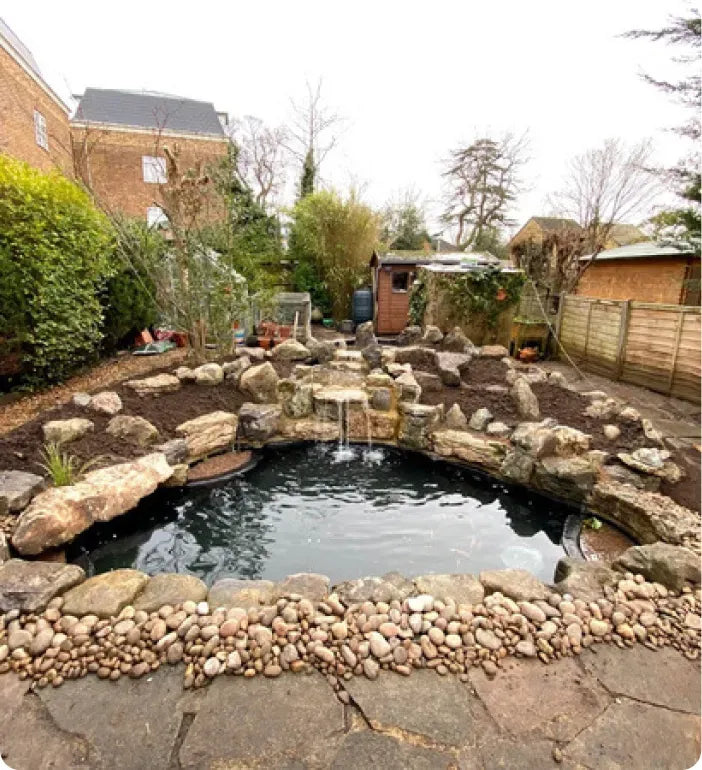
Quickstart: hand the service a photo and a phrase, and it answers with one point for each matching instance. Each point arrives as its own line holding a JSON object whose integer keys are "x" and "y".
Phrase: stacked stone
{"x": 298, "y": 634}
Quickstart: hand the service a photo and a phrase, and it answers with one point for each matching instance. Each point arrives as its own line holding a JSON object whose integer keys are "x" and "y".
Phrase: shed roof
{"x": 647, "y": 249}
{"x": 148, "y": 109}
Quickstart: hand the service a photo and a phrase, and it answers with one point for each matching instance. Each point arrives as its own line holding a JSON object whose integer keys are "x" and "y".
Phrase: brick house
{"x": 118, "y": 139}
{"x": 647, "y": 272}
{"x": 34, "y": 121}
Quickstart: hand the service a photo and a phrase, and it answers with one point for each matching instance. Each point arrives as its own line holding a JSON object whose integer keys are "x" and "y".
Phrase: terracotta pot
{"x": 180, "y": 339}
{"x": 265, "y": 342}
{"x": 285, "y": 332}
{"x": 501, "y": 295}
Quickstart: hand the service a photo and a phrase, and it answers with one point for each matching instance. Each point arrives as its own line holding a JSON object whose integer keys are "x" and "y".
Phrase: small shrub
{"x": 63, "y": 468}
{"x": 55, "y": 250}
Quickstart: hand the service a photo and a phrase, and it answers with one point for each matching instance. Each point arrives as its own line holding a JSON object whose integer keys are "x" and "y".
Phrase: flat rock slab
{"x": 30, "y": 585}
{"x": 663, "y": 678}
{"x": 367, "y": 750}
{"x": 104, "y": 595}
{"x": 231, "y": 592}
{"x": 129, "y": 724}
{"x": 244, "y": 722}
{"x": 517, "y": 584}
{"x": 441, "y": 709}
{"x": 30, "y": 738}
{"x": 508, "y": 753}
{"x": 554, "y": 702}
{"x": 637, "y": 735}
{"x": 170, "y": 588}
{"x": 462, "y": 588}
{"x": 309, "y": 585}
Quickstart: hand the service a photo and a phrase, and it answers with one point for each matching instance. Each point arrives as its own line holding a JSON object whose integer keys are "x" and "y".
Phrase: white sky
{"x": 413, "y": 78}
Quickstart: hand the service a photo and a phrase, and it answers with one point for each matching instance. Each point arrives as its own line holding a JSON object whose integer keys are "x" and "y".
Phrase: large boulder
{"x": 107, "y": 402}
{"x": 234, "y": 369}
{"x": 432, "y": 335}
{"x": 155, "y": 386}
{"x": 57, "y": 515}
{"x": 258, "y": 422}
{"x": 455, "y": 419}
{"x": 653, "y": 462}
{"x": 486, "y": 453}
{"x": 623, "y": 475}
{"x": 104, "y": 595}
{"x": 526, "y": 402}
{"x": 517, "y": 584}
{"x": 518, "y": 466}
{"x": 309, "y": 585}
{"x": 647, "y": 516}
{"x": 322, "y": 351}
{"x": 208, "y": 433}
{"x": 429, "y": 383}
{"x": 671, "y": 565}
{"x": 28, "y": 586}
{"x": 260, "y": 383}
{"x": 457, "y": 342}
{"x": 137, "y": 430}
{"x": 373, "y": 356}
{"x": 410, "y": 335}
{"x": 390, "y": 587}
{"x": 570, "y": 442}
{"x": 365, "y": 335}
{"x": 295, "y": 397}
{"x": 462, "y": 588}
{"x": 230, "y": 592}
{"x": 451, "y": 365}
{"x": 63, "y": 431}
{"x": 253, "y": 354}
{"x": 535, "y": 438}
{"x": 17, "y": 488}
{"x": 175, "y": 450}
{"x": 290, "y": 350}
{"x": 480, "y": 419}
{"x": 417, "y": 357}
{"x": 334, "y": 403}
{"x": 417, "y": 421}
{"x": 570, "y": 478}
{"x": 494, "y": 351}
{"x": 410, "y": 389}
{"x": 170, "y": 589}
{"x": 209, "y": 374}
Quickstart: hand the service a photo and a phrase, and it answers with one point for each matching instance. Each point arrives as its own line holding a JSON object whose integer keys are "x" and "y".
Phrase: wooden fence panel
{"x": 657, "y": 346}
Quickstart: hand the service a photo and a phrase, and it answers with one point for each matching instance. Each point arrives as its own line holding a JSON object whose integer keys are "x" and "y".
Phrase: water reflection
{"x": 305, "y": 509}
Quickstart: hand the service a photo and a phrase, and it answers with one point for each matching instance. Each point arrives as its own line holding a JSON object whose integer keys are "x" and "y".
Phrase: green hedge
{"x": 55, "y": 258}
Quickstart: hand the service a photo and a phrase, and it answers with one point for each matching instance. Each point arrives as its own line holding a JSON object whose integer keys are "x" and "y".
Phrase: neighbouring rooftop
{"x": 148, "y": 109}
{"x": 646, "y": 250}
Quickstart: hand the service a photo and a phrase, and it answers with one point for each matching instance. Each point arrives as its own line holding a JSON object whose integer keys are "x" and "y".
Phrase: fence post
{"x": 559, "y": 320}
{"x": 624, "y": 316}
{"x": 676, "y": 348}
{"x": 587, "y": 327}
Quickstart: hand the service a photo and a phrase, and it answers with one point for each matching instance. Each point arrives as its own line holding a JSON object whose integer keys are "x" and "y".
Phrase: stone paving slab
{"x": 647, "y": 675}
{"x": 269, "y": 721}
{"x": 368, "y": 750}
{"x": 129, "y": 724}
{"x": 555, "y": 701}
{"x": 29, "y": 739}
{"x": 439, "y": 708}
{"x": 636, "y": 735}
{"x": 507, "y": 753}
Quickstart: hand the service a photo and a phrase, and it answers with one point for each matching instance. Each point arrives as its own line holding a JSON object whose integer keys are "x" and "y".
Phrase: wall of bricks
{"x": 645, "y": 280}
{"x": 20, "y": 95}
{"x": 110, "y": 164}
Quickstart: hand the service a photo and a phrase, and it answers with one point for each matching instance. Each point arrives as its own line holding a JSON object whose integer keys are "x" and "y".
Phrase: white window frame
{"x": 41, "y": 135}
{"x": 154, "y": 169}
{"x": 155, "y": 217}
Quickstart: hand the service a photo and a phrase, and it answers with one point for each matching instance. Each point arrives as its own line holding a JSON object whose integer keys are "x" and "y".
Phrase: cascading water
{"x": 343, "y": 453}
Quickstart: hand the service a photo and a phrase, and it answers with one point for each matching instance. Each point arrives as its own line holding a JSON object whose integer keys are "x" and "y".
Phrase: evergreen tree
{"x": 307, "y": 179}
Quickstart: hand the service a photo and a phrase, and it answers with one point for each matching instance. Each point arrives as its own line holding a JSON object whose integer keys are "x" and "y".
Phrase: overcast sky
{"x": 413, "y": 79}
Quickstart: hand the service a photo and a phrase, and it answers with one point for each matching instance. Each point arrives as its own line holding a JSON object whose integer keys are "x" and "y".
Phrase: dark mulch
{"x": 21, "y": 448}
{"x": 687, "y": 491}
{"x": 485, "y": 371}
{"x": 470, "y": 398}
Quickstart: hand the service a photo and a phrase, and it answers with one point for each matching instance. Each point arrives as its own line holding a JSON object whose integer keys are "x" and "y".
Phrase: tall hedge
{"x": 55, "y": 257}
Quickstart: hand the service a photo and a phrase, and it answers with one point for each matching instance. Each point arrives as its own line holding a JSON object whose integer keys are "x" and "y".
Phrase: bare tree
{"x": 605, "y": 186}
{"x": 483, "y": 180}
{"x": 262, "y": 161}
{"x": 313, "y": 132}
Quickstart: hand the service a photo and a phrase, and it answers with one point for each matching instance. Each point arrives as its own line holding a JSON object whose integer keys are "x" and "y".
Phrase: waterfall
{"x": 344, "y": 451}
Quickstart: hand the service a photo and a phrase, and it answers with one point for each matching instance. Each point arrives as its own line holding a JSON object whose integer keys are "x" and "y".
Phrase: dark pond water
{"x": 309, "y": 509}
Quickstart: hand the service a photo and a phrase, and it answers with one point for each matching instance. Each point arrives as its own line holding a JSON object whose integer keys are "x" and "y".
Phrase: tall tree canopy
{"x": 334, "y": 238}
{"x": 682, "y": 33}
{"x": 483, "y": 180}
{"x": 404, "y": 222}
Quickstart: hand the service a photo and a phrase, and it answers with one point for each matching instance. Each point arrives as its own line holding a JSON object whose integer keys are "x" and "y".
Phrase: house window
{"x": 155, "y": 216}
{"x": 400, "y": 281}
{"x": 40, "y": 132}
{"x": 154, "y": 169}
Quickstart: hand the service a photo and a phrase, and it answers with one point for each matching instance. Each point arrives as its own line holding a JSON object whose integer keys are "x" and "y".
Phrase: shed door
{"x": 393, "y": 299}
